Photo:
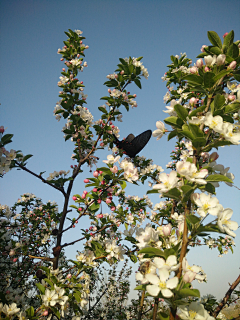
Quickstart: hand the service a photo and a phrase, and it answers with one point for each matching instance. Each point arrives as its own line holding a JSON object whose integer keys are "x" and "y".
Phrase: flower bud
{"x": 221, "y": 59}
{"x": 167, "y": 230}
{"x": 74, "y": 198}
{"x": 225, "y": 34}
{"x": 189, "y": 276}
{"x": 206, "y": 69}
{"x": 232, "y": 65}
{"x": 202, "y": 49}
{"x": 95, "y": 174}
{"x": 213, "y": 157}
{"x": 86, "y": 180}
{"x": 193, "y": 70}
{"x": 199, "y": 63}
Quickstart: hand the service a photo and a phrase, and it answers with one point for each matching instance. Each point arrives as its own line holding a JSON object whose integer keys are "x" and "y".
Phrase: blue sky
{"x": 31, "y": 33}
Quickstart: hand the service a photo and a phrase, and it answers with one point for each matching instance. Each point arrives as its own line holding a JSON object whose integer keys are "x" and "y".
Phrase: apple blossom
{"x": 161, "y": 284}
{"x": 167, "y": 181}
{"x": 194, "y": 310}
{"x": 224, "y": 222}
{"x": 160, "y": 130}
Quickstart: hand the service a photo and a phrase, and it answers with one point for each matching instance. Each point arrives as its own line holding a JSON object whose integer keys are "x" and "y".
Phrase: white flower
{"x": 50, "y": 298}
{"x": 194, "y": 311}
{"x": 214, "y": 123}
{"x": 10, "y": 310}
{"x": 207, "y": 204}
{"x": 170, "y": 264}
{"x": 168, "y": 181}
{"x": 209, "y": 60}
{"x": 160, "y": 130}
{"x": 225, "y": 224}
{"x": 229, "y": 135}
{"x": 111, "y": 159}
{"x": 232, "y": 86}
{"x": 197, "y": 270}
{"x": 161, "y": 284}
{"x": 189, "y": 171}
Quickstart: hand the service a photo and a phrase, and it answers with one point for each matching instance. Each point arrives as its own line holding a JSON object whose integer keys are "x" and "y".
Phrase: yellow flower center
{"x": 162, "y": 285}
{"x": 192, "y": 314}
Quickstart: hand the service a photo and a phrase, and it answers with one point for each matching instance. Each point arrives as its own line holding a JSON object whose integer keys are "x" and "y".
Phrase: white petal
{"x": 153, "y": 290}
{"x": 167, "y": 293}
{"x": 172, "y": 283}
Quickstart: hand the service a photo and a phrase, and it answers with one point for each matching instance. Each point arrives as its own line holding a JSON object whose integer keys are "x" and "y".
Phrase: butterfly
{"x": 133, "y": 145}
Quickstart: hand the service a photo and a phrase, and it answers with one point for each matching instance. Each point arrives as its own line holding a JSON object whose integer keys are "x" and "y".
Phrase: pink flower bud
{"x": 83, "y": 196}
{"x": 199, "y": 63}
{"x": 134, "y": 95}
{"x": 109, "y": 90}
{"x": 79, "y": 209}
{"x": 100, "y": 172}
{"x": 189, "y": 276}
{"x": 86, "y": 180}
{"x": 15, "y": 259}
{"x": 85, "y": 192}
{"x": 74, "y": 198}
{"x": 214, "y": 156}
{"x": 102, "y": 182}
{"x": 193, "y": 70}
{"x": 63, "y": 69}
{"x": 45, "y": 313}
{"x": 192, "y": 101}
{"x": 108, "y": 201}
{"x": 231, "y": 97}
{"x": 95, "y": 174}
{"x": 114, "y": 169}
{"x": 232, "y": 65}
{"x": 99, "y": 201}
{"x": 2, "y": 129}
{"x": 99, "y": 216}
{"x": 113, "y": 208}
{"x": 206, "y": 69}
{"x": 61, "y": 59}
{"x": 202, "y": 49}
{"x": 225, "y": 34}
{"x": 122, "y": 72}
{"x": 221, "y": 59}
{"x": 69, "y": 276}
{"x": 101, "y": 144}
{"x": 167, "y": 230}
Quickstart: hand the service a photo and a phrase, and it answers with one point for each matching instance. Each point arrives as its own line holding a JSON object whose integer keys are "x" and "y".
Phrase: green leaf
{"x": 123, "y": 184}
{"x": 27, "y": 157}
{"x": 196, "y": 111}
{"x": 138, "y": 83}
{"x": 221, "y": 74}
{"x": 217, "y": 178}
{"x": 40, "y": 287}
{"x": 103, "y": 110}
{"x": 196, "y": 131}
{"x": 208, "y": 79}
{"x": 181, "y": 111}
{"x": 216, "y": 50}
{"x": 55, "y": 311}
{"x": 174, "y": 121}
{"x": 193, "y": 219}
{"x": 199, "y": 142}
{"x": 189, "y": 292}
{"x": 30, "y": 312}
{"x": 163, "y": 316}
{"x": 77, "y": 296}
{"x": 216, "y": 145}
{"x": 133, "y": 258}
{"x": 202, "y": 55}
{"x": 208, "y": 187}
{"x": 188, "y": 134}
{"x": 154, "y": 252}
{"x": 214, "y": 39}
{"x": 233, "y": 107}
{"x": 152, "y": 191}
{"x": 233, "y": 51}
{"x": 219, "y": 101}
{"x": 173, "y": 193}
{"x": 193, "y": 78}
{"x": 228, "y": 40}
{"x": 172, "y": 134}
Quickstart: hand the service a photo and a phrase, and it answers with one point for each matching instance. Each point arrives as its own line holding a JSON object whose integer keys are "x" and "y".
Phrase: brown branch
{"x": 226, "y": 298}
{"x": 141, "y": 306}
{"x": 41, "y": 258}
{"x": 155, "y": 309}
{"x": 40, "y": 177}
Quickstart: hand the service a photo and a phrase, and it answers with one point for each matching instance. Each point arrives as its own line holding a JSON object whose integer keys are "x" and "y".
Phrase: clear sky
{"x": 31, "y": 33}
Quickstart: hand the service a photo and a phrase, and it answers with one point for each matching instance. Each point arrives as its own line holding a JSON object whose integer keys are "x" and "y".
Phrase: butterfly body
{"x": 133, "y": 145}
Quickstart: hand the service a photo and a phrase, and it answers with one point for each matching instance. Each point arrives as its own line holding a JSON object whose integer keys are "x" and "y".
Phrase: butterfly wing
{"x": 132, "y": 146}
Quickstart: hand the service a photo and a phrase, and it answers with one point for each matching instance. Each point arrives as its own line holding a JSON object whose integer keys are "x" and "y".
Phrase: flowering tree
{"x": 203, "y": 115}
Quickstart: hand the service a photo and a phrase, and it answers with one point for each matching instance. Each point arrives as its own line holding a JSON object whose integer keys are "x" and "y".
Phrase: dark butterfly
{"x": 133, "y": 145}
